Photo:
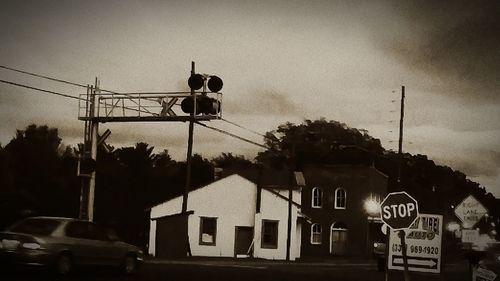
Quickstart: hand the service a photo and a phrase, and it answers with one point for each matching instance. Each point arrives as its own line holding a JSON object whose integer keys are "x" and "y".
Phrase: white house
{"x": 231, "y": 217}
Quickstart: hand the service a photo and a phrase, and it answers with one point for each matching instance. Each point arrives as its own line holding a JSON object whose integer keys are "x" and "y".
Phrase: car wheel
{"x": 63, "y": 264}
{"x": 129, "y": 265}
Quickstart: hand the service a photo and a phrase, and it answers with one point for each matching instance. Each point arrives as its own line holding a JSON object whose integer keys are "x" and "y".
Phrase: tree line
{"x": 38, "y": 173}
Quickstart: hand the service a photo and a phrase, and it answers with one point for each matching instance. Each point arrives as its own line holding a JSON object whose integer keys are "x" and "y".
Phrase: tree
{"x": 228, "y": 160}
{"x": 36, "y": 184}
{"x": 318, "y": 141}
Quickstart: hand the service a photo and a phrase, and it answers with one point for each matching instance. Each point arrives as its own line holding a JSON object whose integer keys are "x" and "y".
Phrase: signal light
{"x": 196, "y": 81}
{"x": 209, "y": 105}
{"x": 204, "y": 105}
{"x": 187, "y": 105}
{"x": 215, "y": 84}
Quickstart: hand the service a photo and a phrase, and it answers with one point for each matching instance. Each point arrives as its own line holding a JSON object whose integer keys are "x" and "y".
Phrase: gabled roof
{"x": 269, "y": 188}
{"x": 268, "y": 177}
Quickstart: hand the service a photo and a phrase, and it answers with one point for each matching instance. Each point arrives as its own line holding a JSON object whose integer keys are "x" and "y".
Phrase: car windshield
{"x": 35, "y": 226}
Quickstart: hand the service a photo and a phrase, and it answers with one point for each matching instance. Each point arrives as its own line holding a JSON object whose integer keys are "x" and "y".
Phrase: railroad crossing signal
{"x": 399, "y": 210}
{"x": 202, "y": 104}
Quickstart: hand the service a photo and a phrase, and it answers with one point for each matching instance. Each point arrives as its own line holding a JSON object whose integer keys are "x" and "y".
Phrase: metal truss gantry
{"x": 140, "y": 107}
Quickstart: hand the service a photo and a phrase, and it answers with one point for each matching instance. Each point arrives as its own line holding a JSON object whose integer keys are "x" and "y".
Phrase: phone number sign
{"x": 423, "y": 245}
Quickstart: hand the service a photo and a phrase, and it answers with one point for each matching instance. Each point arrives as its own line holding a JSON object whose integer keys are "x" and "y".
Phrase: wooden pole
{"x": 400, "y": 152}
{"x": 189, "y": 150}
{"x": 402, "y": 235}
{"x": 188, "y": 164}
{"x": 93, "y": 152}
{"x": 400, "y": 146}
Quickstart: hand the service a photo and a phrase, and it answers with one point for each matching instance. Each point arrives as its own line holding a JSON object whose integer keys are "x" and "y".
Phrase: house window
{"x": 340, "y": 198}
{"x": 208, "y": 231}
{"x": 316, "y": 234}
{"x": 317, "y": 197}
{"x": 269, "y": 234}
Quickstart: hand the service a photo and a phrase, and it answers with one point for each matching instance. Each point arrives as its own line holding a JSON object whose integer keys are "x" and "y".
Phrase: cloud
{"x": 454, "y": 42}
{"x": 264, "y": 102}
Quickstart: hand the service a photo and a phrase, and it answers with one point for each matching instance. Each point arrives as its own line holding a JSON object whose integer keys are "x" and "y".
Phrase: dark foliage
{"x": 38, "y": 174}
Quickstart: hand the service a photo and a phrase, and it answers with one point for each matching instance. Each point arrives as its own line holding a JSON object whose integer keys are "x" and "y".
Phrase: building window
{"x": 208, "y": 231}
{"x": 317, "y": 197}
{"x": 269, "y": 234}
{"x": 340, "y": 198}
{"x": 316, "y": 234}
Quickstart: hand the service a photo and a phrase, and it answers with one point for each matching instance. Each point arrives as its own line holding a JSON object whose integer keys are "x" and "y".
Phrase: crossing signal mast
{"x": 202, "y": 103}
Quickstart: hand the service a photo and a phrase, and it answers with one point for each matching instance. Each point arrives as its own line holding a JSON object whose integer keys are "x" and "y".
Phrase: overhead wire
{"x": 231, "y": 135}
{"x": 113, "y": 92}
{"x": 244, "y": 128}
{"x": 60, "y": 94}
{"x": 77, "y": 98}
{"x": 41, "y": 90}
{"x": 52, "y": 78}
{"x": 73, "y": 84}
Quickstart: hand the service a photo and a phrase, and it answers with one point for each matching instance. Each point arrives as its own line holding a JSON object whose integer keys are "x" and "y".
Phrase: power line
{"x": 231, "y": 135}
{"x": 43, "y": 76}
{"x": 66, "y": 82}
{"x": 52, "y": 78}
{"x": 112, "y": 92}
{"x": 244, "y": 128}
{"x": 41, "y": 90}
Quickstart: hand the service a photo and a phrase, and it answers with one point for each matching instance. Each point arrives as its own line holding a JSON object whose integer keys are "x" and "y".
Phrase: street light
{"x": 372, "y": 206}
{"x": 372, "y": 209}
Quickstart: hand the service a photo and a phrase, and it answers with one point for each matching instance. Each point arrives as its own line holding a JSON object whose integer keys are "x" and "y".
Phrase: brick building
{"x": 342, "y": 203}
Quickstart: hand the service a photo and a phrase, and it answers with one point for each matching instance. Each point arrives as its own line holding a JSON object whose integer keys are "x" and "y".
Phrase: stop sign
{"x": 399, "y": 210}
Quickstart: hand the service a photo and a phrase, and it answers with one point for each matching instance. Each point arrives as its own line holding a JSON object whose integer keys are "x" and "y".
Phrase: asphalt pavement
{"x": 241, "y": 270}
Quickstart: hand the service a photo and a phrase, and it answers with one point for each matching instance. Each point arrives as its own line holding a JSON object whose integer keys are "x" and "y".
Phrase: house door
{"x": 171, "y": 237}
{"x": 243, "y": 240}
{"x": 338, "y": 241}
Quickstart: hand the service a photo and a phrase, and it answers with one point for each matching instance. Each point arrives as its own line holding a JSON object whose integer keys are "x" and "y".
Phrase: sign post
{"x": 470, "y": 211}
{"x": 399, "y": 211}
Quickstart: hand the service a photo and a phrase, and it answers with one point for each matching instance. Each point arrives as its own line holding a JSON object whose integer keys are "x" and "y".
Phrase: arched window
{"x": 317, "y": 197}
{"x": 340, "y": 198}
{"x": 316, "y": 234}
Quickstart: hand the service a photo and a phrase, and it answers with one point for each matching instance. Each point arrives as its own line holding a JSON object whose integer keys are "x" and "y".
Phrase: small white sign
{"x": 483, "y": 274}
{"x": 470, "y": 235}
{"x": 470, "y": 211}
{"x": 423, "y": 245}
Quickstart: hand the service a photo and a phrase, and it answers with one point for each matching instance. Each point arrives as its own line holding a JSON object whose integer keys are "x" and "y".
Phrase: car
{"x": 491, "y": 258}
{"x": 63, "y": 243}
{"x": 379, "y": 254}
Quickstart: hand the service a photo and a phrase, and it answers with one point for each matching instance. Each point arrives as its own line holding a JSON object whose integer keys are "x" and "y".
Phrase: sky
{"x": 281, "y": 61}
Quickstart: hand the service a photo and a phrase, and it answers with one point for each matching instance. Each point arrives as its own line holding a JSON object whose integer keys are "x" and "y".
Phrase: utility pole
{"x": 289, "y": 224}
{"x": 187, "y": 187}
{"x": 93, "y": 151}
{"x": 89, "y": 150}
{"x": 402, "y": 234}
{"x": 400, "y": 146}
{"x": 189, "y": 150}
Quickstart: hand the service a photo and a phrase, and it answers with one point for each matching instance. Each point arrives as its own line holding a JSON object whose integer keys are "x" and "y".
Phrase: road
{"x": 241, "y": 270}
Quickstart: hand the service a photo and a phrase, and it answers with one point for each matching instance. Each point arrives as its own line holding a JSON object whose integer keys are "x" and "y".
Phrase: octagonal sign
{"x": 399, "y": 210}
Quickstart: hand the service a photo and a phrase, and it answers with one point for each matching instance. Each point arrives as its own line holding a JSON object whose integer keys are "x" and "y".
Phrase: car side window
{"x": 78, "y": 230}
{"x": 97, "y": 233}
